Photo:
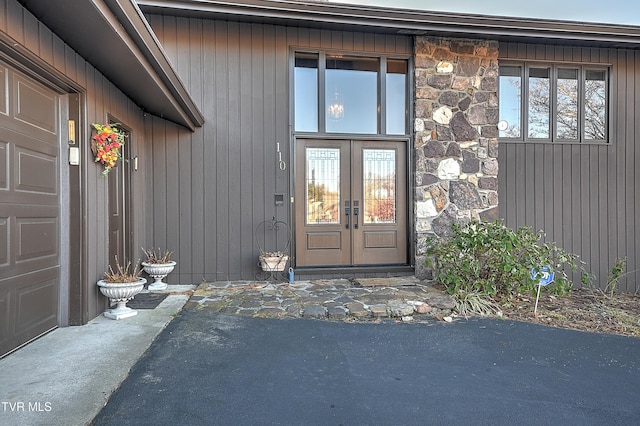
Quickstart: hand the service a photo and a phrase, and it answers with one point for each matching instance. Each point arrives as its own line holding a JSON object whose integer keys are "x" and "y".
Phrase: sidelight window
{"x": 554, "y": 103}
{"x": 306, "y": 92}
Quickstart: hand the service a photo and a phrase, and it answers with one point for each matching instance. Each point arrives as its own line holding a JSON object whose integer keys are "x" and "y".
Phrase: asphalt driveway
{"x": 210, "y": 368}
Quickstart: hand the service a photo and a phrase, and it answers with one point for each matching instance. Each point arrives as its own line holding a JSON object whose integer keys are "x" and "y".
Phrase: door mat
{"x": 146, "y": 300}
{"x": 385, "y": 282}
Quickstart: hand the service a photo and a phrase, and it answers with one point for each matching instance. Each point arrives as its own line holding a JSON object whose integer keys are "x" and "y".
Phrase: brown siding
{"x": 101, "y": 98}
{"x": 225, "y": 174}
{"x": 585, "y": 197}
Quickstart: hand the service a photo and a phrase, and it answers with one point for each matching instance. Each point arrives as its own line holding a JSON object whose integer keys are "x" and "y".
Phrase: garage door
{"x": 29, "y": 209}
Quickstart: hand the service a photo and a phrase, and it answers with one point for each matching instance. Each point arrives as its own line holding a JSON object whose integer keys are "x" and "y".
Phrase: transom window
{"x": 350, "y": 94}
{"x": 554, "y": 102}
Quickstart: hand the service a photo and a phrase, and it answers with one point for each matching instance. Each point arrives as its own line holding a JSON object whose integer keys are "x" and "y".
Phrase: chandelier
{"x": 336, "y": 106}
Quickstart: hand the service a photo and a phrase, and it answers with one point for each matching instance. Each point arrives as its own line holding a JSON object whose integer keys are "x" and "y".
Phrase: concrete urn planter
{"x": 120, "y": 294}
{"x": 158, "y": 271}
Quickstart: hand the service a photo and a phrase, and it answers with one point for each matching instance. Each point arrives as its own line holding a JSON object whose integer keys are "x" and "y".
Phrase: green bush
{"x": 615, "y": 273}
{"x": 474, "y": 303}
{"x": 492, "y": 259}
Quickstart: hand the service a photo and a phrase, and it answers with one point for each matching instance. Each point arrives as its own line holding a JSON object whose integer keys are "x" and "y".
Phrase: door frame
{"x": 342, "y": 269}
{"x": 122, "y": 177}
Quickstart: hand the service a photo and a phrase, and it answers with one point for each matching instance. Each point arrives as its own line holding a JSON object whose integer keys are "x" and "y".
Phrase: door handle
{"x": 356, "y": 209}
{"x": 347, "y": 211}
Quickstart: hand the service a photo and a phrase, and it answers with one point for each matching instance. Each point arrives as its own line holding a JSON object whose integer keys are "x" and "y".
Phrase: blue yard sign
{"x": 545, "y": 276}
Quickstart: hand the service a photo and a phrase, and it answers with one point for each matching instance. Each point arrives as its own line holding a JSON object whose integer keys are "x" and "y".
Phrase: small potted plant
{"x": 273, "y": 261}
{"x": 158, "y": 265}
{"x": 120, "y": 286}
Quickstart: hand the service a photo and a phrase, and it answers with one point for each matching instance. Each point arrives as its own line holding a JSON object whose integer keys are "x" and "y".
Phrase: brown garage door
{"x": 29, "y": 209}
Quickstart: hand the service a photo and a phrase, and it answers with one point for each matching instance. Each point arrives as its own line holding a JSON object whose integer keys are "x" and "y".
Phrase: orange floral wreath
{"x": 105, "y": 144}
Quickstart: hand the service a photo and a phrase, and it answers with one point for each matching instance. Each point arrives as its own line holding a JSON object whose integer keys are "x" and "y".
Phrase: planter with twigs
{"x": 158, "y": 265}
{"x": 120, "y": 286}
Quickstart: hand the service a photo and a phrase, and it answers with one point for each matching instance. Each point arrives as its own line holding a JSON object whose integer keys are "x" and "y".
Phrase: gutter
{"x": 399, "y": 21}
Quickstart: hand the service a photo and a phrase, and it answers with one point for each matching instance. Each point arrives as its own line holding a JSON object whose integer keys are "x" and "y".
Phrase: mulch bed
{"x": 582, "y": 309}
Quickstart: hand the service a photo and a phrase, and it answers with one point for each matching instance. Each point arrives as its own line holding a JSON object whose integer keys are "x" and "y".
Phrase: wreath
{"x": 106, "y": 142}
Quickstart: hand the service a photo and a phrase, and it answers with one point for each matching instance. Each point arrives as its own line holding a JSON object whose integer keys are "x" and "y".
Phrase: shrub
{"x": 615, "y": 273}
{"x": 492, "y": 259}
{"x": 474, "y": 303}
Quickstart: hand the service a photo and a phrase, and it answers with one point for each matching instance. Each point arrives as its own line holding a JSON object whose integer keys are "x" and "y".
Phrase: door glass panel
{"x": 379, "y": 172}
{"x": 323, "y": 185}
{"x": 351, "y": 95}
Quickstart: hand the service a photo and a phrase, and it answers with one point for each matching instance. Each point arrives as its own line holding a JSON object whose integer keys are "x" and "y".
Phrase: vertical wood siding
{"x": 585, "y": 197}
{"x": 219, "y": 181}
{"x": 102, "y": 98}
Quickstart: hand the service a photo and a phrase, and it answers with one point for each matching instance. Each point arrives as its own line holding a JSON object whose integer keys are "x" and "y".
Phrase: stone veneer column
{"x": 456, "y": 145}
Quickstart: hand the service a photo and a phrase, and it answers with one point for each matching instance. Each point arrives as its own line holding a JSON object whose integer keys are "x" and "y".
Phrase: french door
{"x": 350, "y": 203}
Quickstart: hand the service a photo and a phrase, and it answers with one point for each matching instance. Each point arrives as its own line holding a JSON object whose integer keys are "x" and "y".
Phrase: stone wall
{"x": 456, "y": 145}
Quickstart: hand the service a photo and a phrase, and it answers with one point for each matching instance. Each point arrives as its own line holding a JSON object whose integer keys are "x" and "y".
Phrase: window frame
{"x": 381, "y": 106}
{"x": 554, "y": 67}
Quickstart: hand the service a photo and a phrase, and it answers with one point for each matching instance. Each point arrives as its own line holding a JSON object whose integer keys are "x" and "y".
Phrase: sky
{"x": 608, "y": 11}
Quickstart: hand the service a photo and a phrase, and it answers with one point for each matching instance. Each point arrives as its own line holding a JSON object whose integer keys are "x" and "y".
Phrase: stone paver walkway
{"x": 404, "y": 298}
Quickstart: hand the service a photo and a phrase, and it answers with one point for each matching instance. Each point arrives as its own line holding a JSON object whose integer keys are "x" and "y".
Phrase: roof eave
{"x": 402, "y": 21}
{"x": 115, "y": 38}
{"x": 137, "y": 27}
